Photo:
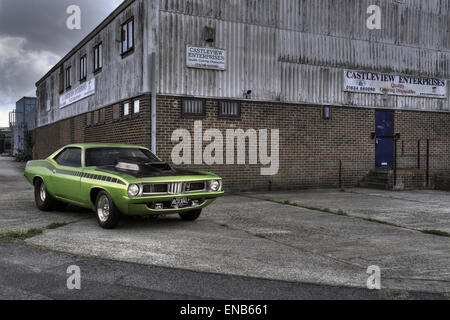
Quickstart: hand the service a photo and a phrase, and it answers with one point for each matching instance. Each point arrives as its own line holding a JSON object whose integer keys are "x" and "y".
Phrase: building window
{"x": 68, "y": 77}
{"x": 136, "y": 107}
{"x": 61, "y": 79}
{"x": 127, "y": 36}
{"x": 88, "y": 119}
{"x": 102, "y": 115}
{"x": 83, "y": 68}
{"x": 116, "y": 112}
{"x": 193, "y": 107}
{"x": 229, "y": 109}
{"x": 126, "y": 109}
{"x": 326, "y": 113}
{"x": 98, "y": 57}
{"x": 52, "y": 89}
{"x": 96, "y": 120}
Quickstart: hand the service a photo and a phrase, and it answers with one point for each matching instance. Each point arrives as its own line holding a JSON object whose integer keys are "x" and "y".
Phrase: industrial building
{"x": 22, "y": 121}
{"x": 352, "y": 105}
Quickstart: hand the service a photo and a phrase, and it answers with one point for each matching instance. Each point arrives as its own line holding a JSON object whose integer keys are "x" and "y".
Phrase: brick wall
{"x": 420, "y": 126}
{"x": 311, "y": 148}
{"x": 134, "y": 129}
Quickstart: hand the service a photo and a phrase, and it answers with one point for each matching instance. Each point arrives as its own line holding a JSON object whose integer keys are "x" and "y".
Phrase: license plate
{"x": 180, "y": 202}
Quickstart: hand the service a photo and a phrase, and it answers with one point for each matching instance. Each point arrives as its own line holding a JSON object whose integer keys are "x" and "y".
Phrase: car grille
{"x": 173, "y": 188}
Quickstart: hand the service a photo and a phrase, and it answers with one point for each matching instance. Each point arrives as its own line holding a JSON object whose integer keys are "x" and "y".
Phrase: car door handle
{"x": 54, "y": 171}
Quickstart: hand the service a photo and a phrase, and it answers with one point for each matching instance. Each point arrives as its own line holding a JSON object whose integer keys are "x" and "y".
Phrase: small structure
{"x": 5, "y": 141}
{"x": 22, "y": 123}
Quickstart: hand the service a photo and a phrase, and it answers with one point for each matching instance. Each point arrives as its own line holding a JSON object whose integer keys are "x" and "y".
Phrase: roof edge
{"x": 125, "y": 4}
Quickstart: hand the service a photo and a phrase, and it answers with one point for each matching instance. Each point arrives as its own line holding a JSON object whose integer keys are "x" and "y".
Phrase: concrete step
{"x": 376, "y": 179}
{"x": 373, "y": 185}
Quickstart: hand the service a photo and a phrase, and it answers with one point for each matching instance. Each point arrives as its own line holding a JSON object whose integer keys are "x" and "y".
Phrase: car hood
{"x": 152, "y": 172}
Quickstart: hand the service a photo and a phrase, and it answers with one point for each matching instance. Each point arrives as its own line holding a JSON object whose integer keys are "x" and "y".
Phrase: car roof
{"x": 104, "y": 145}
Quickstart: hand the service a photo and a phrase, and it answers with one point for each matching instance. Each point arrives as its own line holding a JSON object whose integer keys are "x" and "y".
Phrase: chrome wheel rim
{"x": 42, "y": 192}
{"x": 103, "y": 208}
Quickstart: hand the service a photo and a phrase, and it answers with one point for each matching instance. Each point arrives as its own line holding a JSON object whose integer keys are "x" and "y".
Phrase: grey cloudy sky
{"x": 33, "y": 37}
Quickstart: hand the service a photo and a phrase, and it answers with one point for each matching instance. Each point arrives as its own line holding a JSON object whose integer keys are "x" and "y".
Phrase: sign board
{"x": 391, "y": 84}
{"x": 206, "y": 58}
{"x": 84, "y": 90}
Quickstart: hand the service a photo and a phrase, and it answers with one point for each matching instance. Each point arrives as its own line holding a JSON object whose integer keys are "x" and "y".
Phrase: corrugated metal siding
{"x": 120, "y": 78}
{"x": 295, "y": 51}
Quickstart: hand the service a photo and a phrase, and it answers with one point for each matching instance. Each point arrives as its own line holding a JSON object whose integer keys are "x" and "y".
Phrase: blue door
{"x": 384, "y": 137}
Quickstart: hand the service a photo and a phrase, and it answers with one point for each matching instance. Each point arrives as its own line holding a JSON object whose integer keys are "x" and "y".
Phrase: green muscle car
{"x": 115, "y": 179}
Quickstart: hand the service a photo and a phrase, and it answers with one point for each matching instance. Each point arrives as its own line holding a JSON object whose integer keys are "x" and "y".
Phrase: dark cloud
{"x": 34, "y": 36}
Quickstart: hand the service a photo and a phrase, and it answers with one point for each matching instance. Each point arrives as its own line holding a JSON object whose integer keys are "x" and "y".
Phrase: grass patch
{"x": 56, "y": 225}
{"x": 19, "y": 236}
{"x": 259, "y": 235}
{"x": 436, "y": 233}
{"x": 382, "y": 222}
{"x": 298, "y": 205}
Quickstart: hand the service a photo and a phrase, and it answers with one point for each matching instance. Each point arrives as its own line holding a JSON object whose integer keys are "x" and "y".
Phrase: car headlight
{"x": 133, "y": 190}
{"x": 215, "y": 185}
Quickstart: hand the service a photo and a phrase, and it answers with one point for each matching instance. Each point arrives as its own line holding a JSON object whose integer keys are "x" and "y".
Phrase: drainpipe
{"x": 153, "y": 100}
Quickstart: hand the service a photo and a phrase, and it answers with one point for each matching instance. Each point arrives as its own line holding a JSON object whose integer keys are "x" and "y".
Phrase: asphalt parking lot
{"x": 325, "y": 237}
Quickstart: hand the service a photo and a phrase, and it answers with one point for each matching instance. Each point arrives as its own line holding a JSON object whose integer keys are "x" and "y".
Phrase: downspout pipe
{"x": 153, "y": 101}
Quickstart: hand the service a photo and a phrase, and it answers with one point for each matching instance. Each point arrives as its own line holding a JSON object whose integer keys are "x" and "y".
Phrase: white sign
{"x": 84, "y": 90}
{"x": 382, "y": 83}
{"x": 206, "y": 58}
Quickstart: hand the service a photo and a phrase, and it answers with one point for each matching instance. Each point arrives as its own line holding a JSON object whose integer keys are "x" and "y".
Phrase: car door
{"x": 66, "y": 175}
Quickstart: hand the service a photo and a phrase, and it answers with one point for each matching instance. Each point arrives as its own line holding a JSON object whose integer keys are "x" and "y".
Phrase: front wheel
{"x": 108, "y": 215}
{"x": 190, "y": 215}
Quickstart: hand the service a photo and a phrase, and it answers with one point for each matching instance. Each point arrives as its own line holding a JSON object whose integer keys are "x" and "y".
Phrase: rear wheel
{"x": 108, "y": 215}
{"x": 44, "y": 201}
{"x": 190, "y": 215}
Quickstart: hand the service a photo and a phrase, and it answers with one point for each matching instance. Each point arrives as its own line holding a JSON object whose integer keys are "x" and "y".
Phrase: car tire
{"x": 190, "y": 215}
{"x": 108, "y": 215}
{"x": 44, "y": 201}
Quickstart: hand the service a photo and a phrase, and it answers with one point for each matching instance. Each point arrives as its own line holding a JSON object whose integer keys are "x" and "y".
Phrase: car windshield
{"x": 97, "y": 157}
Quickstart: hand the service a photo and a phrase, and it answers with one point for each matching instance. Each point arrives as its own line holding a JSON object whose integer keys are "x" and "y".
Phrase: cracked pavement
{"x": 247, "y": 236}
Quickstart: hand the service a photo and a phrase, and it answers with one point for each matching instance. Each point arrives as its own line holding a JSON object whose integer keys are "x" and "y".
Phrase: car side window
{"x": 70, "y": 157}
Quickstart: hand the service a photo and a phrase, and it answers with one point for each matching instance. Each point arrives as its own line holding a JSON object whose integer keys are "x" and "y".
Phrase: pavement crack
{"x": 438, "y": 233}
{"x": 290, "y": 245}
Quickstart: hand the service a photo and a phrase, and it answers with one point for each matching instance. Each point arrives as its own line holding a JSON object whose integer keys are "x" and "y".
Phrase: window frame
{"x": 98, "y": 57}
{"x": 89, "y": 119}
{"x": 197, "y": 115}
{"x": 138, "y": 107}
{"x": 68, "y": 78}
{"x": 83, "y": 76}
{"x": 227, "y": 116}
{"x": 127, "y": 103}
{"x": 55, "y": 158}
{"x": 61, "y": 80}
{"x": 125, "y": 37}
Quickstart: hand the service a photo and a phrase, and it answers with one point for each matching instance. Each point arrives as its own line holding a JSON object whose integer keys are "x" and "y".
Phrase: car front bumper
{"x": 142, "y": 205}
